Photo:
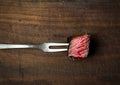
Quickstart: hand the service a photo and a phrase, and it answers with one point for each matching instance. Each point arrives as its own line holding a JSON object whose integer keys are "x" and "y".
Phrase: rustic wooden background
{"x": 37, "y": 21}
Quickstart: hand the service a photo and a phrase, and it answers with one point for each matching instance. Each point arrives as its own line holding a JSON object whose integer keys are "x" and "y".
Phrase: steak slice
{"x": 79, "y": 47}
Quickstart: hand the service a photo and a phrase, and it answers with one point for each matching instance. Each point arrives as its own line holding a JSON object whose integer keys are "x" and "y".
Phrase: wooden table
{"x": 37, "y": 21}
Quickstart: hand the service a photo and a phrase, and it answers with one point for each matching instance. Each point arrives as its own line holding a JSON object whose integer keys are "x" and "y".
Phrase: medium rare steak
{"x": 79, "y": 47}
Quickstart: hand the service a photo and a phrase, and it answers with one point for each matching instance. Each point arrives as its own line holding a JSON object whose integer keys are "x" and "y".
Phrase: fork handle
{"x": 13, "y": 46}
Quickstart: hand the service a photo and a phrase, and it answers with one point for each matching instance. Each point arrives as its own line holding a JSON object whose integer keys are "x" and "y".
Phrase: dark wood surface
{"x": 37, "y": 21}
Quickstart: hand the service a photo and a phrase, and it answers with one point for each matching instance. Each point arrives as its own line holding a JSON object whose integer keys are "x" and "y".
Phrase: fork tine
{"x": 46, "y": 47}
{"x": 57, "y": 50}
{"x": 58, "y": 44}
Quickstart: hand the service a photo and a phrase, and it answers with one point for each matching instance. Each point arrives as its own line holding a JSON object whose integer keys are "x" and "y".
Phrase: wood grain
{"x": 37, "y": 21}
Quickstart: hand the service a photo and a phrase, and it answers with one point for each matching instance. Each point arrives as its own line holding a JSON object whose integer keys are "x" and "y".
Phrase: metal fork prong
{"x": 58, "y": 44}
{"x": 46, "y": 47}
{"x": 57, "y": 50}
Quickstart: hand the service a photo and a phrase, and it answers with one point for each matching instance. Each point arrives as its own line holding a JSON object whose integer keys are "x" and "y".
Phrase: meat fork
{"x": 45, "y": 47}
